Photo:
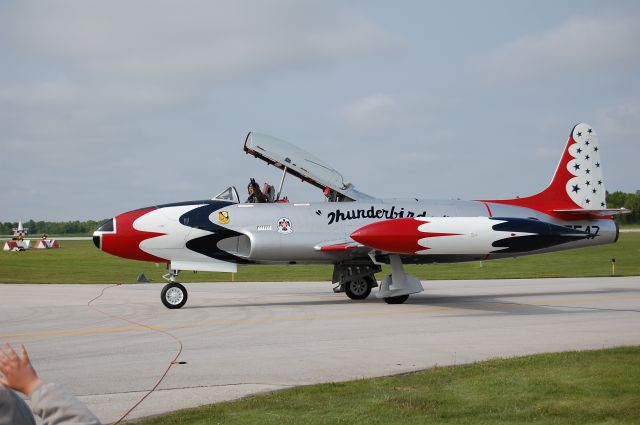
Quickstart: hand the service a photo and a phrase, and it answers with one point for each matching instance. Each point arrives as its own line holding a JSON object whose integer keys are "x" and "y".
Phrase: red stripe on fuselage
{"x": 337, "y": 247}
{"x": 125, "y": 242}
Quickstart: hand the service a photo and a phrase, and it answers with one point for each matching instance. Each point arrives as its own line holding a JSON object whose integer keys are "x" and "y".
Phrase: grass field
{"x": 81, "y": 262}
{"x": 588, "y": 387}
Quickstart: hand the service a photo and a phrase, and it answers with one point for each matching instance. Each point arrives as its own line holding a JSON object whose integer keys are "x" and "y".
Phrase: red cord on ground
{"x": 133, "y": 322}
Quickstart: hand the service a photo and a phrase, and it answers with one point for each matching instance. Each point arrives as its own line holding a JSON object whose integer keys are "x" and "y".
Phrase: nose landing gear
{"x": 173, "y": 294}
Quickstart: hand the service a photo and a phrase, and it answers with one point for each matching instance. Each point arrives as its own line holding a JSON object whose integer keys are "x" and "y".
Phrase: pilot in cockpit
{"x": 255, "y": 194}
{"x": 331, "y": 195}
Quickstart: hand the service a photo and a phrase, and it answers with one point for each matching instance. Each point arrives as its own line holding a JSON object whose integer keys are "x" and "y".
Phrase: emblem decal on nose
{"x": 284, "y": 226}
{"x": 223, "y": 217}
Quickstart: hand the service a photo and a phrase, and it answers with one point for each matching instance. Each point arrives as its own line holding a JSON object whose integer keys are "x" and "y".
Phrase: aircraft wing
{"x": 301, "y": 164}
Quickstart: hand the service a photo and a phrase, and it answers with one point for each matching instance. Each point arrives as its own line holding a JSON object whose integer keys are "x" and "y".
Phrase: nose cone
{"x": 120, "y": 237}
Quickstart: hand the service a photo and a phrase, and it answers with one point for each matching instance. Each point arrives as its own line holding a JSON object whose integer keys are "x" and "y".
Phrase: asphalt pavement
{"x": 240, "y": 339}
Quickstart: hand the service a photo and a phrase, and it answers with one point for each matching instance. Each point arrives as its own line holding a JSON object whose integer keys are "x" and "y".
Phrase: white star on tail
{"x": 586, "y": 188}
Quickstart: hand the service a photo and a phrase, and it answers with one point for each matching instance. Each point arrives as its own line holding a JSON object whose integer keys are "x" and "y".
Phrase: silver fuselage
{"x": 213, "y": 235}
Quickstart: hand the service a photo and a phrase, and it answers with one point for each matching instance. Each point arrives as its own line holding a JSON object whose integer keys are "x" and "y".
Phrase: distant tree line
{"x": 616, "y": 199}
{"x": 36, "y": 228}
{"x": 630, "y": 201}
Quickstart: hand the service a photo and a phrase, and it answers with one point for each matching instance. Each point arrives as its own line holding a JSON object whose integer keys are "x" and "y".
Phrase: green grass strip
{"x": 586, "y": 387}
{"x": 81, "y": 262}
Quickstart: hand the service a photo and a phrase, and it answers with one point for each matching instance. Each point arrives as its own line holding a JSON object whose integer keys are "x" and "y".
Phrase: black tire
{"x": 396, "y": 300}
{"x": 358, "y": 288}
{"x": 174, "y": 295}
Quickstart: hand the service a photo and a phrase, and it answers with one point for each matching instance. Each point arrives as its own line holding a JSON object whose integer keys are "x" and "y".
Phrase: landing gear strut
{"x": 396, "y": 287}
{"x": 173, "y": 294}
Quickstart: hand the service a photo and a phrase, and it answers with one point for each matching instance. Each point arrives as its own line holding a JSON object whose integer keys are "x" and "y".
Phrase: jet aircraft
{"x": 358, "y": 233}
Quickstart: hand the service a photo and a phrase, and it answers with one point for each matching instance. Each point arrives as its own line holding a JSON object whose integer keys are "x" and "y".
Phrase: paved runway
{"x": 244, "y": 338}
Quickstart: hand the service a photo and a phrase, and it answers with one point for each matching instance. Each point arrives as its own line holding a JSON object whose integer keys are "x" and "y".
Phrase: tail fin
{"x": 577, "y": 186}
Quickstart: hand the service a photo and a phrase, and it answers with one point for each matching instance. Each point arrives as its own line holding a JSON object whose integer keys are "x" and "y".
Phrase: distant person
{"x": 255, "y": 194}
{"x": 51, "y": 402}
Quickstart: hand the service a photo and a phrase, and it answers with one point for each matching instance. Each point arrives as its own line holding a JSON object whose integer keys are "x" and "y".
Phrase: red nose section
{"x": 400, "y": 235}
{"x": 125, "y": 242}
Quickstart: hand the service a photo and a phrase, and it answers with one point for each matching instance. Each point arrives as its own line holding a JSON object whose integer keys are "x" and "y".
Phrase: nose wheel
{"x": 174, "y": 295}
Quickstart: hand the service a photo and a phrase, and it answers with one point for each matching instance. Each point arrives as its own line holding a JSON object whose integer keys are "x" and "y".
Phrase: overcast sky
{"x": 107, "y": 106}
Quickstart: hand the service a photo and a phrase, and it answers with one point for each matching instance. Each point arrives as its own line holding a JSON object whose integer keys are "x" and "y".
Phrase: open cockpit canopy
{"x": 295, "y": 161}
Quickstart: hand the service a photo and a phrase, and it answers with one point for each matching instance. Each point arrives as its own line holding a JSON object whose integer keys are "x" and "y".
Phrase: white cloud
{"x": 581, "y": 45}
{"x": 618, "y": 127}
{"x": 39, "y": 93}
{"x": 371, "y": 112}
{"x": 150, "y": 39}
{"x": 621, "y": 122}
{"x": 384, "y": 112}
{"x": 150, "y": 53}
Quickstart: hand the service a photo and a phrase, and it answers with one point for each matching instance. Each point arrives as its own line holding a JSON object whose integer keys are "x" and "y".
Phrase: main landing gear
{"x": 396, "y": 287}
{"x": 359, "y": 288}
{"x": 357, "y": 281}
{"x": 173, "y": 294}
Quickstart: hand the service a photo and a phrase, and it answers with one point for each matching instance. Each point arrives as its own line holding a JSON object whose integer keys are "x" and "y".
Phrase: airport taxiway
{"x": 245, "y": 338}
